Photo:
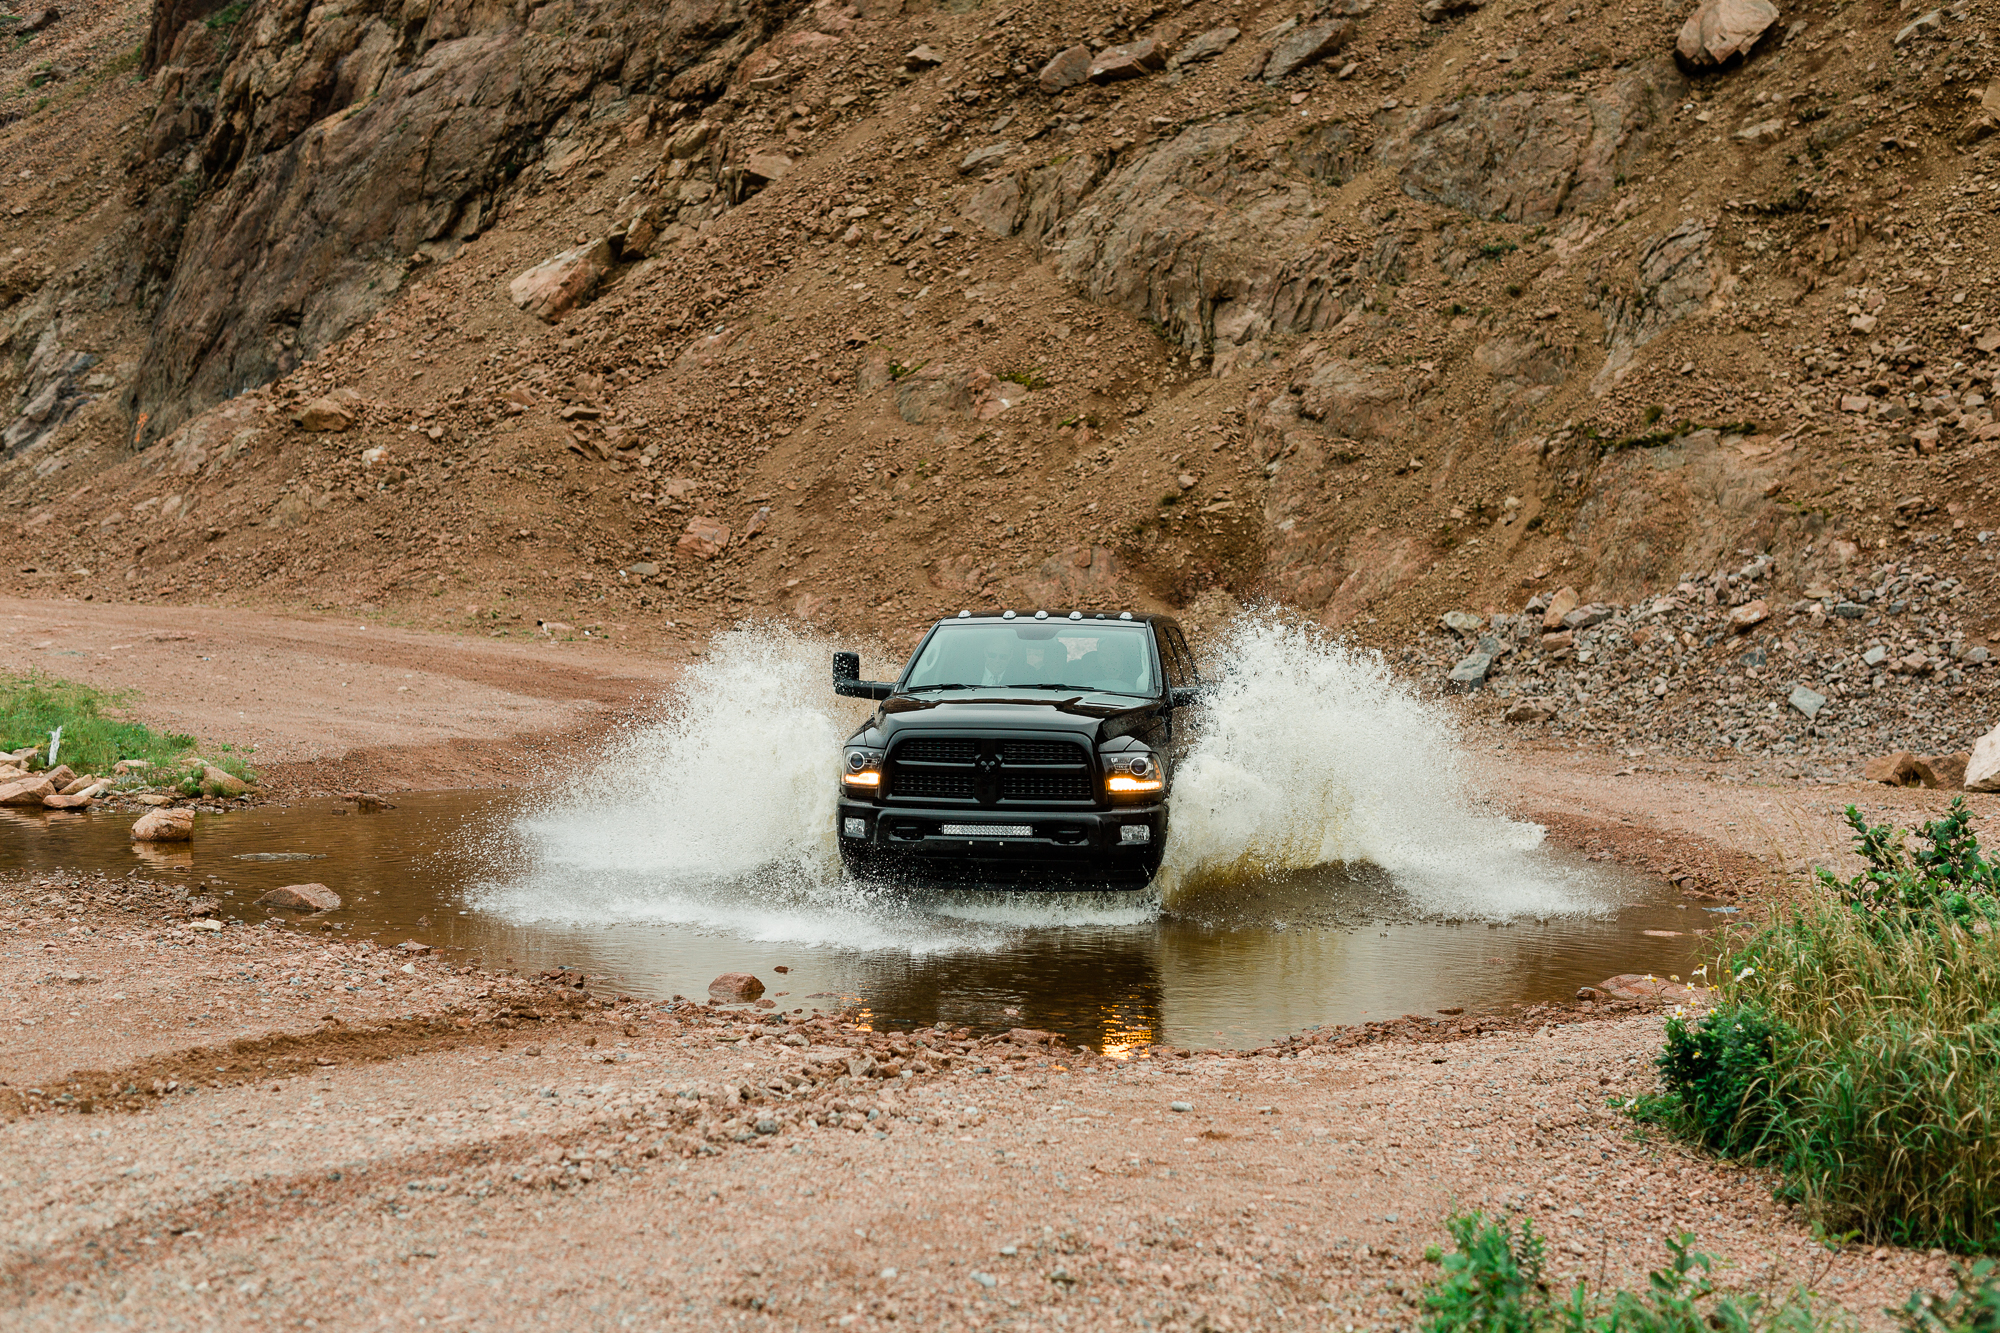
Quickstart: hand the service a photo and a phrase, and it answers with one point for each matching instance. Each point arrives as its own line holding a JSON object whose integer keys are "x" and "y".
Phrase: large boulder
{"x": 324, "y": 415}
{"x": 554, "y": 287}
{"x": 30, "y": 790}
{"x": 1942, "y": 772}
{"x": 1894, "y": 770}
{"x": 1721, "y": 30}
{"x": 1982, "y": 770}
{"x": 164, "y": 826}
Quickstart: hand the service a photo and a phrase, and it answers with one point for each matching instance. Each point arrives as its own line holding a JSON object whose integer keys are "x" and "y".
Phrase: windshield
{"x": 1066, "y": 655}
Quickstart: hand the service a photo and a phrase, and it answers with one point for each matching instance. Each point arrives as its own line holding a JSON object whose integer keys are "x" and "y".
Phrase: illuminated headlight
{"x": 862, "y": 768}
{"x": 1134, "y": 773}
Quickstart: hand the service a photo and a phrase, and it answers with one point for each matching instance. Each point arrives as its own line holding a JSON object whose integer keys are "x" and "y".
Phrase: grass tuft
{"x": 94, "y": 735}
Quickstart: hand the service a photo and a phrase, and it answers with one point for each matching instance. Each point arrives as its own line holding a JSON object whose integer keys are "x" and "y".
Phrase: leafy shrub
{"x": 1492, "y": 1283}
{"x": 1972, "y": 1306}
{"x": 1720, "y": 1067}
{"x": 1903, "y": 888}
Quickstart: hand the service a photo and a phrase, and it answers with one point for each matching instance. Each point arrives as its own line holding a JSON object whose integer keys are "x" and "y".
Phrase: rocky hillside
{"x": 643, "y": 319}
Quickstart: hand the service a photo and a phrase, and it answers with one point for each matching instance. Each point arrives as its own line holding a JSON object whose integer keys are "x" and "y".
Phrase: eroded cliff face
{"x": 328, "y": 148}
{"x": 840, "y": 311}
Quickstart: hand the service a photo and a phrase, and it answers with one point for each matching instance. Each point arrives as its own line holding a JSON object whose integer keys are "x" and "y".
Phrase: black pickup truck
{"x": 1028, "y": 748}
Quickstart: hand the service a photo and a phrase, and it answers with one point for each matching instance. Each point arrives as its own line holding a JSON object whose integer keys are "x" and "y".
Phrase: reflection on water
{"x": 1331, "y": 944}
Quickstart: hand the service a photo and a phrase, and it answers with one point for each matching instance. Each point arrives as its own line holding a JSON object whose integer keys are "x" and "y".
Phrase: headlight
{"x": 1134, "y": 773}
{"x": 862, "y": 769}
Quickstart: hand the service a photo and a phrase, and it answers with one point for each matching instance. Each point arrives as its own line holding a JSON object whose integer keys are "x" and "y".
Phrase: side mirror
{"x": 847, "y": 679}
{"x": 1185, "y": 696}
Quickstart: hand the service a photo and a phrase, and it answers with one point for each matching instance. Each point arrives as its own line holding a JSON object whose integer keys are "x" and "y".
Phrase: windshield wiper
{"x": 1045, "y": 686}
{"x": 919, "y": 689}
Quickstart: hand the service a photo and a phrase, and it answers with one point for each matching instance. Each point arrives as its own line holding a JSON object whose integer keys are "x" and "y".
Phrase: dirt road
{"x": 332, "y": 703}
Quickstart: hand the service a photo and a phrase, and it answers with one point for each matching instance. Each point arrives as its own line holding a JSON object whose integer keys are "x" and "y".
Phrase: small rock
{"x": 1469, "y": 672}
{"x": 1559, "y": 606}
{"x": 39, "y": 19}
{"x": 920, "y": 58}
{"x": 1763, "y": 131}
{"x": 79, "y": 801}
{"x": 1748, "y": 615}
{"x": 554, "y": 287}
{"x": 705, "y": 538}
{"x": 1721, "y": 30}
{"x": 1463, "y": 622}
{"x": 1586, "y": 616}
{"x": 164, "y": 826}
{"x": 1875, "y": 656}
{"x": 981, "y": 160}
{"x": 1180, "y": 1106}
{"x": 304, "y": 897}
{"x": 1303, "y": 45}
{"x": 1942, "y": 772}
{"x": 1895, "y": 770}
{"x": 1208, "y": 45}
{"x": 1555, "y": 643}
{"x": 735, "y": 988}
{"x": 1806, "y": 701}
{"x": 76, "y": 785}
{"x": 1982, "y": 770}
{"x": 60, "y": 776}
{"x": 124, "y": 766}
{"x": 414, "y": 946}
{"x": 1923, "y": 26}
{"x": 1436, "y": 11}
{"x": 1066, "y": 70}
{"x": 1134, "y": 60}
{"x": 324, "y": 415}
{"x": 1529, "y": 710}
{"x": 764, "y": 168}
{"x": 217, "y": 782}
{"x": 27, "y": 791}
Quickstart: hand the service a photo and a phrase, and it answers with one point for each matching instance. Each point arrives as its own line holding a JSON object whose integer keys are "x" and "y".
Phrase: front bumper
{"x": 1077, "y": 848}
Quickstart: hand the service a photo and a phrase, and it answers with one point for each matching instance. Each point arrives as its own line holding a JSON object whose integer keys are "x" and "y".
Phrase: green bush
{"x": 1857, "y": 1047}
{"x": 1903, "y": 889}
{"x": 1972, "y": 1306}
{"x": 94, "y": 738}
{"x": 1720, "y": 1067}
{"x": 1492, "y": 1283}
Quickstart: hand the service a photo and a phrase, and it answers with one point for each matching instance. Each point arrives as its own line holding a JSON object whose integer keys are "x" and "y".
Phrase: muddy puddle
{"x": 1234, "y": 964}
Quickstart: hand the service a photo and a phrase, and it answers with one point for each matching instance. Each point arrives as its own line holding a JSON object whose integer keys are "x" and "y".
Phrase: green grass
{"x": 1857, "y": 1046}
{"x": 95, "y": 736}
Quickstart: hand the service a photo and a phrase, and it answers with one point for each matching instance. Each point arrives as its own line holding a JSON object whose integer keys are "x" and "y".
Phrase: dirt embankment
{"x": 466, "y": 1144}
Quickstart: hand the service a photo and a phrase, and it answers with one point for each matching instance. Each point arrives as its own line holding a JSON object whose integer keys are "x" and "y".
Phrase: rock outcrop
{"x": 292, "y": 172}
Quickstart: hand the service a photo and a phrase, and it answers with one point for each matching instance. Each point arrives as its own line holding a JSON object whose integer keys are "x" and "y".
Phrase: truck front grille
{"x": 990, "y": 772}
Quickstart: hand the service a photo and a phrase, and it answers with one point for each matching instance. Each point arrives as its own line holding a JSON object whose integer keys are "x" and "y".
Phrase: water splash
{"x": 1309, "y": 753}
{"x": 719, "y": 812}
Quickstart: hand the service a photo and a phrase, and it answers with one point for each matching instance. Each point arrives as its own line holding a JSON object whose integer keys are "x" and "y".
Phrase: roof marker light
{"x": 1076, "y": 615}
{"x": 1006, "y": 615}
{"x": 1124, "y": 615}
{"x": 965, "y": 615}
{"x": 1041, "y": 615}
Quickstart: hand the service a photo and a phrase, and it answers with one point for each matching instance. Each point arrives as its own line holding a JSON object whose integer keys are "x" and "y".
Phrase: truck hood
{"x": 1093, "y": 717}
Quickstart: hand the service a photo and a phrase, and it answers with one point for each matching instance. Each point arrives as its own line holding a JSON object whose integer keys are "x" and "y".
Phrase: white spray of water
{"x": 1311, "y": 753}
{"x": 719, "y": 814}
